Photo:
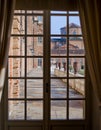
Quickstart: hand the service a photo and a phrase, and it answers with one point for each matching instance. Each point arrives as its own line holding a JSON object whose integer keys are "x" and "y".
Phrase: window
{"x": 40, "y": 19}
{"x": 40, "y": 40}
{"x": 46, "y": 68}
{"x": 40, "y": 62}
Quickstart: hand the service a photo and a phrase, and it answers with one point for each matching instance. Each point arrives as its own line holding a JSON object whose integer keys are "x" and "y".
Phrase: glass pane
{"x": 58, "y": 109}
{"x": 73, "y": 12}
{"x": 16, "y": 110}
{"x": 16, "y": 67}
{"x": 59, "y": 28}
{"x": 74, "y": 25}
{"x": 34, "y": 46}
{"x": 17, "y": 46}
{"x": 58, "y": 88}
{"x": 34, "y": 24}
{"x": 58, "y": 12}
{"x": 76, "y": 109}
{"x": 16, "y": 88}
{"x": 76, "y": 67}
{"x": 58, "y": 46}
{"x": 76, "y": 46}
{"x": 58, "y": 67}
{"x": 34, "y": 11}
{"x": 34, "y": 110}
{"x": 19, "y": 11}
{"x": 18, "y": 26}
{"x": 76, "y": 88}
{"x": 34, "y": 67}
{"x": 34, "y": 88}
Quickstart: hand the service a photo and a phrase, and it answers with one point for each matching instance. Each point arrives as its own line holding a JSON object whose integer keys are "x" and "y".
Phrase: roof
{"x": 71, "y": 25}
{"x": 58, "y": 40}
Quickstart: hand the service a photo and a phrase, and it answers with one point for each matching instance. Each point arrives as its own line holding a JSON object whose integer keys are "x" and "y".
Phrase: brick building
{"x": 76, "y": 46}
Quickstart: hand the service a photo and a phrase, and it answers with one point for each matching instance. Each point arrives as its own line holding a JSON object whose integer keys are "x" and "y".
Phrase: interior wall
{"x": 46, "y": 4}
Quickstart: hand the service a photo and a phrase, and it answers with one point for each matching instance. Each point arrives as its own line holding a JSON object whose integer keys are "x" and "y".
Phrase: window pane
{"x": 34, "y": 46}
{"x": 18, "y": 26}
{"x": 17, "y": 46}
{"x": 73, "y": 12}
{"x": 76, "y": 109}
{"x": 76, "y": 67}
{"x": 34, "y": 11}
{"x": 15, "y": 110}
{"x": 58, "y": 46}
{"x": 16, "y": 67}
{"x": 76, "y": 46}
{"x": 58, "y": 88}
{"x": 58, "y": 12}
{"x": 59, "y": 28}
{"x": 34, "y": 67}
{"x": 74, "y": 25}
{"x": 58, "y": 67}
{"x": 58, "y": 110}
{"x": 35, "y": 24}
{"x": 16, "y": 88}
{"x": 76, "y": 88}
{"x": 34, "y": 110}
{"x": 19, "y": 11}
{"x": 34, "y": 88}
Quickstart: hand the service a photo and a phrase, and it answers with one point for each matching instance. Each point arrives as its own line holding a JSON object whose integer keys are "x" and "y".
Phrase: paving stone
{"x": 35, "y": 90}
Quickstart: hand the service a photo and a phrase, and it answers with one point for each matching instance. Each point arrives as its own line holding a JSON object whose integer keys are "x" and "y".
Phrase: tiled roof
{"x": 73, "y": 25}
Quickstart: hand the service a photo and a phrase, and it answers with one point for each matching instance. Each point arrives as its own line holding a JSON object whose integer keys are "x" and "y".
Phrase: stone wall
{"x": 76, "y": 84}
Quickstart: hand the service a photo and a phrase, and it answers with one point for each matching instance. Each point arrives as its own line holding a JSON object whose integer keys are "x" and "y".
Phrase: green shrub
{"x": 81, "y": 71}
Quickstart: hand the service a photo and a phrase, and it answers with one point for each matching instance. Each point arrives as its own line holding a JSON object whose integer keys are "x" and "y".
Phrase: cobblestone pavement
{"x": 34, "y": 108}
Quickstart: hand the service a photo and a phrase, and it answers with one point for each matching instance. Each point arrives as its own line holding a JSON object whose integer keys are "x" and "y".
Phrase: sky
{"x": 60, "y": 21}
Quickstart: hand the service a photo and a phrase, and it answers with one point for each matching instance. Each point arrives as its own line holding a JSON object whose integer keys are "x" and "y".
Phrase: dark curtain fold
{"x": 6, "y": 17}
{"x": 91, "y": 28}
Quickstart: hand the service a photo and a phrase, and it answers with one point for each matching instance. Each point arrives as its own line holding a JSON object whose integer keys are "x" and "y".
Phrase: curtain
{"x": 6, "y": 16}
{"x": 91, "y": 28}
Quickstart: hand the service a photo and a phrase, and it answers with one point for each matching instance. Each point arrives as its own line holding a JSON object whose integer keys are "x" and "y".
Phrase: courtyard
{"x": 34, "y": 108}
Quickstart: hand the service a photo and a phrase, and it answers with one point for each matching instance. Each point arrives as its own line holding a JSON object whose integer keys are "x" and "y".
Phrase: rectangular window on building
{"x": 40, "y": 40}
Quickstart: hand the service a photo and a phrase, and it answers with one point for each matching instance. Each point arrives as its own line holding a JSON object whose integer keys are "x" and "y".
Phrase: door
{"x": 46, "y": 72}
